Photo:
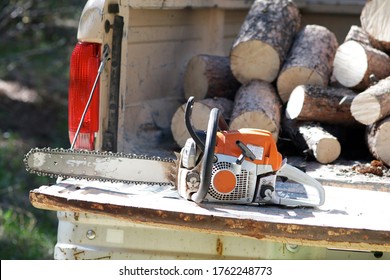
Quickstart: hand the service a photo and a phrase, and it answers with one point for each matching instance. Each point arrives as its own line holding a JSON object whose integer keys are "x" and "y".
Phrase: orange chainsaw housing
{"x": 226, "y": 144}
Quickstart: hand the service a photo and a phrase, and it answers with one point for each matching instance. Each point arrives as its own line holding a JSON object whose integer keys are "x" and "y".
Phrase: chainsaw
{"x": 217, "y": 165}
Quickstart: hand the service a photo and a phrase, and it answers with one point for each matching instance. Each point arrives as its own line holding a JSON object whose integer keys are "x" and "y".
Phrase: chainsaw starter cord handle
{"x": 208, "y": 157}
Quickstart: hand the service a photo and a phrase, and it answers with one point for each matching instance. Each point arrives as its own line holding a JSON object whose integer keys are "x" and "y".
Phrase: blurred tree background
{"x": 36, "y": 40}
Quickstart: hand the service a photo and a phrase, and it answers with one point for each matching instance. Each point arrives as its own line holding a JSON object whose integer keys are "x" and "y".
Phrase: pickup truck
{"x": 140, "y": 87}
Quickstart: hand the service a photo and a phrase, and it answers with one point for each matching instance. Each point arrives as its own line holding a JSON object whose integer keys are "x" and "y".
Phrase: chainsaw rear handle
{"x": 208, "y": 157}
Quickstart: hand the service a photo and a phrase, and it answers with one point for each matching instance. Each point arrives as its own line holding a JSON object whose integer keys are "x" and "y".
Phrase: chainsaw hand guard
{"x": 208, "y": 157}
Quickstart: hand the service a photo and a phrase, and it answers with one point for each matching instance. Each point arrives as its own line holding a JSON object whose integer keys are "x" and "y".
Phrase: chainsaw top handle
{"x": 208, "y": 157}
{"x": 199, "y": 136}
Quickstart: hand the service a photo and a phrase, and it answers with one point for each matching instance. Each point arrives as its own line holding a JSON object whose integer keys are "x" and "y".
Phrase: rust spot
{"x": 162, "y": 214}
{"x": 199, "y": 218}
{"x": 185, "y": 218}
{"x": 97, "y": 206}
{"x": 342, "y": 232}
{"x": 292, "y": 229}
{"x": 219, "y": 247}
{"x": 232, "y": 224}
{"x": 76, "y": 216}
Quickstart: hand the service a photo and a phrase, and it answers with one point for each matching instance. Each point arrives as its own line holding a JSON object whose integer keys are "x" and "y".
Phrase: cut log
{"x": 322, "y": 104}
{"x": 355, "y": 63}
{"x": 375, "y": 20}
{"x": 209, "y": 76}
{"x": 356, "y": 33}
{"x": 313, "y": 139}
{"x": 200, "y": 117}
{"x": 257, "y": 105}
{"x": 264, "y": 40}
{"x": 310, "y": 60}
{"x": 372, "y": 104}
{"x": 378, "y": 135}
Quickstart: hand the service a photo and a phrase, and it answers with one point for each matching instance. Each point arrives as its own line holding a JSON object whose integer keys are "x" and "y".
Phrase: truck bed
{"x": 355, "y": 216}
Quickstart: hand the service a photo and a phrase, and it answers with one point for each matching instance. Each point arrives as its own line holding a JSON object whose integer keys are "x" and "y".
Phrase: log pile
{"x": 298, "y": 82}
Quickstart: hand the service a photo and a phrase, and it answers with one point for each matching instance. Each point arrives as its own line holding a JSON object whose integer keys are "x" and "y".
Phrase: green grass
{"x": 25, "y": 232}
{"x": 23, "y": 237}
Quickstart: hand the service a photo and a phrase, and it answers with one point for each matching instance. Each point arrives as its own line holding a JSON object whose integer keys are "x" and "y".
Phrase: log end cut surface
{"x": 378, "y": 140}
{"x": 382, "y": 143}
{"x": 350, "y": 64}
{"x": 365, "y": 108}
{"x": 293, "y": 77}
{"x": 254, "y": 60}
{"x": 375, "y": 20}
{"x": 178, "y": 127}
{"x": 196, "y": 85}
{"x": 295, "y": 105}
{"x": 328, "y": 150}
{"x": 255, "y": 120}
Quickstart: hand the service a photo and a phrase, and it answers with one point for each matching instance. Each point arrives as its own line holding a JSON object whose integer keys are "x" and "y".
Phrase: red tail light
{"x": 84, "y": 65}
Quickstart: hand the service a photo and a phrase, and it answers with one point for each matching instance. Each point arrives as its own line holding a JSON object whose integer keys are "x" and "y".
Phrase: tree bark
{"x": 257, "y": 105}
{"x": 310, "y": 60}
{"x": 329, "y": 105}
{"x": 378, "y": 135}
{"x": 372, "y": 104}
{"x": 356, "y": 33}
{"x": 264, "y": 40}
{"x": 355, "y": 63}
{"x": 312, "y": 138}
{"x": 209, "y": 76}
{"x": 375, "y": 20}
{"x": 200, "y": 117}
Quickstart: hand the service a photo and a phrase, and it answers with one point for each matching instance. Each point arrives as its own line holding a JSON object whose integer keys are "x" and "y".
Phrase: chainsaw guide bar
{"x": 101, "y": 166}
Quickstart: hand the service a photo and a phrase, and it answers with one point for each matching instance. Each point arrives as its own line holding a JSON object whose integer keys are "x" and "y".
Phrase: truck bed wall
{"x": 158, "y": 42}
